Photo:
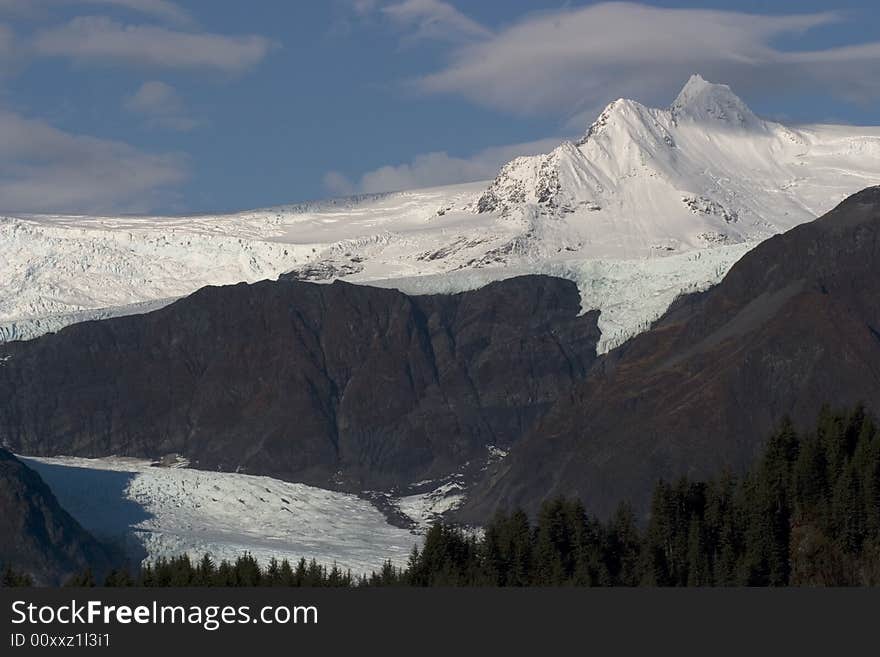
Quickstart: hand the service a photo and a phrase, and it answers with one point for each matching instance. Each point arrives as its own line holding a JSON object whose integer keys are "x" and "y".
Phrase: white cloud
{"x": 567, "y": 61}
{"x": 416, "y": 20}
{"x": 154, "y": 97}
{"x": 849, "y": 71}
{"x": 162, "y": 10}
{"x": 433, "y": 19}
{"x": 337, "y": 184}
{"x": 363, "y": 7}
{"x": 96, "y": 38}
{"x": 44, "y": 169}
{"x": 162, "y": 105}
{"x": 437, "y": 168}
{"x": 159, "y": 9}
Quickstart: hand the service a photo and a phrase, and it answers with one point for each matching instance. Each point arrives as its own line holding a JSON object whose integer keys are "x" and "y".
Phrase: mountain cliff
{"x": 37, "y": 536}
{"x": 794, "y": 325}
{"x": 363, "y": 388}
{"x": 335, "y": 385}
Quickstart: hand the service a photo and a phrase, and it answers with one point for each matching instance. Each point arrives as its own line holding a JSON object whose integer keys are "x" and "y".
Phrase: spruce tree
{"x": 622, "y": 548}
{"x": 286, "y": 575}
{"x": 13, "y": 579}
{"x": 205, "y": 571}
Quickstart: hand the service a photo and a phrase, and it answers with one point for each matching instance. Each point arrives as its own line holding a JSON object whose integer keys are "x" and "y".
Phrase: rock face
{"x": 36, "y": 535}
{"x": 794, "y": 324}
{"x": 333, "y": 385}
{"x": 369, "y": 389}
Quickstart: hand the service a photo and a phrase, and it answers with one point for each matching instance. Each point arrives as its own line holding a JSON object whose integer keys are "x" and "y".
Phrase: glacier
{"x": 649, "y": 204}
{"x": 154, "y": 512}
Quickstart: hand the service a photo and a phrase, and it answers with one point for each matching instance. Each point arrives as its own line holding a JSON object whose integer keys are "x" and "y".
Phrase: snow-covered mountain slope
{"x": 643, "y": 186}
{"x": 704, "y": 172}
{"x": 167, "y": 511}
{"x": 52, "y": 268}
{"x": 631, "y": 293}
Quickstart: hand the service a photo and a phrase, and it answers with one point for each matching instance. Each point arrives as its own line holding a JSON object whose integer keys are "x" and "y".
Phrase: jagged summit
{"x": 700, "y": 100}
{"x": 612, "y": 110}
{"x": 647, "y": 180}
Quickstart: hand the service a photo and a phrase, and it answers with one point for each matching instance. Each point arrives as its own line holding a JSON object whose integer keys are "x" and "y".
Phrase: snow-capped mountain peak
{"x": 704, "y": 172}
{"x": 700, "y": 100}
{"x": 621, "y": 115}
{"x": 683, "y": 190}
{"x": 604, "y": 118}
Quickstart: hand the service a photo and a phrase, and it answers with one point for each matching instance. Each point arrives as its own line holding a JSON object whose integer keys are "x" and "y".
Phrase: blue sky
{"x": 204, "y": 105}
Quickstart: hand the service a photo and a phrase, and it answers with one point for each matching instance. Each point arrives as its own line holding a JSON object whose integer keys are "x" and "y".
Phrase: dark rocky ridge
{"x": 364, "y": 388}
{"x": 37, "y": 536}
{"x": 793, "y": 325}
{"x": 334, "y": 385}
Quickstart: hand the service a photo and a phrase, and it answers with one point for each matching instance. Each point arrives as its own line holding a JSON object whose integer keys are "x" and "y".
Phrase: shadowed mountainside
{"x": 334, "y": 385}
{"x": 37, "y": 536}
{"x": 794, "y": 325}
{"x": 364, "y": 388}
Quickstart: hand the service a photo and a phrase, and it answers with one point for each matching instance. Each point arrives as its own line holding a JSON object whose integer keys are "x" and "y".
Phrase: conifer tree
{"x": 14, "y": 579}
{"x": 118, "y": 578}
{"x": 848, "y": 518}
{"x": 83, "y": 579}
{"x": 247, "y": 571}
{"x": 225, "y": 574}
{"x": 622, "y": 548}
{"x": 301, "y": 572}
{"x": 811, "y": 487}
{"x": 285, "y": 574}
{"x": 273, "y": 573}
{"x": 205, "y": 572}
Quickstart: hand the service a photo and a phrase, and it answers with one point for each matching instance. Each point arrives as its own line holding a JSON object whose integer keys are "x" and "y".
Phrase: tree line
{"x": 807, "y": 513}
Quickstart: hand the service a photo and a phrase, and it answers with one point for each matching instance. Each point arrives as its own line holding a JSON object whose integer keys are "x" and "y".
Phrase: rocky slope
{"x": 335, "y": 385}
{"x": 364, "y": 388}
{"x": 794, "y": 324}
{"x": 37, "y": 536}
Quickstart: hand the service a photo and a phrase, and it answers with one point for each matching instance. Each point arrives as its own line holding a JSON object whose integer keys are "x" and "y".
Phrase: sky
{"x": 171, "y": 107}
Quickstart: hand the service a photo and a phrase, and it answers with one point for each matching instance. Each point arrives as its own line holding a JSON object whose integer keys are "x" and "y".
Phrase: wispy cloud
{"x": 161, "y": 106}
{"x": 417, "y": 21}
{"x": 437, "y": 168}
{"x": 100, "y": 39}
{"x": 566, "y": 61}
{"x": 154, "y": 97}
{"x": 162, "y": 10}
{"x": 44, "y": 169}
{"x": 363, "y": 7}
{"x": 434, "y": 20}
